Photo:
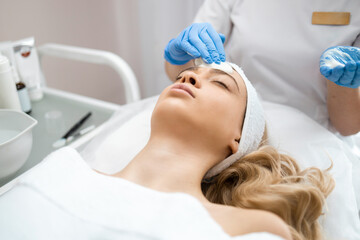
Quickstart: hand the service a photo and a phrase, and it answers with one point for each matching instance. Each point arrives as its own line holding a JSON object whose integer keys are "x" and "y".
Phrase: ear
{"x": 234, "y": 145}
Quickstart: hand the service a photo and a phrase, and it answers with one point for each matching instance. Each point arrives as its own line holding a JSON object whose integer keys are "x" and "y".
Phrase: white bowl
{"x": 15, "y": 140}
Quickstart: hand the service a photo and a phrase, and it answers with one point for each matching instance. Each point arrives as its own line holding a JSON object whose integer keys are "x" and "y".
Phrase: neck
{"x": 169, "y": 165}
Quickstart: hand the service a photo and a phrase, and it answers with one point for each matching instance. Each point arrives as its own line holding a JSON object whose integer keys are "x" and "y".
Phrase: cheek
{"x": 218, "y": 103}
{"x": 222, "y": 112}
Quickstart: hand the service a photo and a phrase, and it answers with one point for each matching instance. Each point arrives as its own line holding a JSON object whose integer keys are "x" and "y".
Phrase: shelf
{"x": 73, "y": 107}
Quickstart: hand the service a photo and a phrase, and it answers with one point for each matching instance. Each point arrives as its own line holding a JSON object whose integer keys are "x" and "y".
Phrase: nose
{"x": 192, "y": 78}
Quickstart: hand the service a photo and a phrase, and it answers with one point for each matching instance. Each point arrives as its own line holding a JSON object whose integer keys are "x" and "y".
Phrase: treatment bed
{"x": 127, "y": 128}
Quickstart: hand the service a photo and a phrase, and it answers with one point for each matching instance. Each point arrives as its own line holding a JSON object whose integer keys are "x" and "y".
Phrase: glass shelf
{"x": 73, "y": 107}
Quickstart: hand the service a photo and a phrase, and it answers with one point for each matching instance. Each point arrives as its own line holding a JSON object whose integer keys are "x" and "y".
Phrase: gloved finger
{"x": 355, "y": 84}
{"x": 327, "y": 63}
{"x": 356, "y": 81}
{"x": 195, "y": 41}
{"x": 222, "y": 37}
{"x": 354, "y": 52}
{"x": 188, "y": 47}
{"x": 349, "y": 66}
{"x": 222, "y": 56}
{"x": 217, "y": 41}
{"x": 332, "y": 65}
{"x": 349, "y": 72}
{"x": 325, "y": 70}
{"x": 339, "y": 56}
{"x": 337, "y": 73}
{"x": 204, "y": 36}
{"x": 191, "y": 50}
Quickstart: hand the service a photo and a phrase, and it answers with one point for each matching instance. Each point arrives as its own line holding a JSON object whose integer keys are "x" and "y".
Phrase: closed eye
{"x": 222, "y": 84}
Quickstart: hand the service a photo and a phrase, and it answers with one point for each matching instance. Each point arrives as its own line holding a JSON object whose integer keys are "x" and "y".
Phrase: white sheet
{"x": 62, "y": 198}
{"x": 290, "y": 130}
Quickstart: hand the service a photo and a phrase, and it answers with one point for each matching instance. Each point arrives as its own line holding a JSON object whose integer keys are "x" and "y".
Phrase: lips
{"x": 185, "y": 88}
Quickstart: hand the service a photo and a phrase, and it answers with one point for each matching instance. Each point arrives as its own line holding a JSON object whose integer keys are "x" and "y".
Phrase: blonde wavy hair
{"x": 271, "y": 181}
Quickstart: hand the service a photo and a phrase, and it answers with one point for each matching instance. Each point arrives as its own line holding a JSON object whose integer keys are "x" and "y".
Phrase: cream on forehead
{"x": 223, "y": 66}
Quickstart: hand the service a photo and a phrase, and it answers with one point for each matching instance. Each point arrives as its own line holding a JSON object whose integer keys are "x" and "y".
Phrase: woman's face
{"x": 204, "y": 106}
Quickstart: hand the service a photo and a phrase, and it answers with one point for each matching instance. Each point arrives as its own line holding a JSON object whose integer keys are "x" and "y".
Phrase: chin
{"x": 173, "y": 114}
{"x": 172, "y": 108}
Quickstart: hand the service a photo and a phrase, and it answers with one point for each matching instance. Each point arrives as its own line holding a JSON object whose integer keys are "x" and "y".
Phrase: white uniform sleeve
{"x": 217, "y": 12}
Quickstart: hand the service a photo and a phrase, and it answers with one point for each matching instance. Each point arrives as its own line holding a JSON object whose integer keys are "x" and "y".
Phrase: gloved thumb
{"x": 222, "y": 36}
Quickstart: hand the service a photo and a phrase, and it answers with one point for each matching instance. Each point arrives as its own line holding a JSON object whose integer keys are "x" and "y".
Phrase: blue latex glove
{"x": 341, "y": 65}
{"x": 197, "y": 40}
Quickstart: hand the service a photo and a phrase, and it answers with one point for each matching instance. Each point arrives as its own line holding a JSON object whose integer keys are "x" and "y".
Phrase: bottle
{"x": 23, "y": 97}
{"x": 27, "y": 62}
{"x": 22, "y": 92}
{"x": 8, "y": 95}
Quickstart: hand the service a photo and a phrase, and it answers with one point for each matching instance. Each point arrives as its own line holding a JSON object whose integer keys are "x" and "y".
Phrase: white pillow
{"x": 294, "y": 133}
{"x": 290, "y": 131}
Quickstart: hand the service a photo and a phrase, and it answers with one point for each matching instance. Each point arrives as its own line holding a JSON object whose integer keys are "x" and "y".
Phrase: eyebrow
{"x": 212, "y": 70}
{"x": 217, "y": 71}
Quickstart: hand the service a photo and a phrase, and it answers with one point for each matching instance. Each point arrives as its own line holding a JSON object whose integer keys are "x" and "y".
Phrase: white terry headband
{"x": 254, "y": 122}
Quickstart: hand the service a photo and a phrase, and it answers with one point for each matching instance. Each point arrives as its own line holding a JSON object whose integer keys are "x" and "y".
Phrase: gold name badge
{"x": 330, "y": 18}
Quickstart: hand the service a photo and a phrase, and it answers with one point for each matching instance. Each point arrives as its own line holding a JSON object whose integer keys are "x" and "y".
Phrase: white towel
{"x": 62, "y": 198}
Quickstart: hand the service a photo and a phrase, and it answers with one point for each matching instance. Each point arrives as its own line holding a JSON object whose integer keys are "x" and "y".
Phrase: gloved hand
{"x": 341, "y": 65}
{"x": 197, "y": 40}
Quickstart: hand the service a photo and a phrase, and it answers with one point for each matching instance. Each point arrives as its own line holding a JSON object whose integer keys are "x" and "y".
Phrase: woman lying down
{"x": 205, "y": 173}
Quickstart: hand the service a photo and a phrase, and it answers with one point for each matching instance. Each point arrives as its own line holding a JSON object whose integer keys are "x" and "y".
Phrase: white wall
{"x": 136, "y": 30}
